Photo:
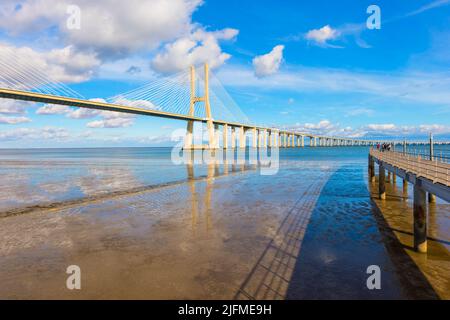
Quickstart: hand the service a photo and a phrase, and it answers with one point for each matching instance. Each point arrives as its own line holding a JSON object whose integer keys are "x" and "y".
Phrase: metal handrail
{"x": 434, "y": 170}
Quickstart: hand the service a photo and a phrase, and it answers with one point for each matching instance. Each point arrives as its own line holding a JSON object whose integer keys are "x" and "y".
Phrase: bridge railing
{"x": 434, "y": 170}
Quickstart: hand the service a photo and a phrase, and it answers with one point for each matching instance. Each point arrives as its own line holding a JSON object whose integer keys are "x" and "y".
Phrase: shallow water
{"x": 309, "y": 231}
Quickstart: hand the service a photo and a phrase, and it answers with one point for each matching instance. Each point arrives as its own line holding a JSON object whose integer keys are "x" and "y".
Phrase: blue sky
{"x": 307, "y": 65}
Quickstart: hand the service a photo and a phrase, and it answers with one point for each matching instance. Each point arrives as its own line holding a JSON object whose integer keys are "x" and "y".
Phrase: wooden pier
{"x": 430, "y": 176}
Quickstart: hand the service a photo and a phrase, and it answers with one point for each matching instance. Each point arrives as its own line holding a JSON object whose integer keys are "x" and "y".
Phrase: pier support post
{"x": 255, "y": 138}
{"x": 431, "y": 198}
{"x": 381, "y": 182}
{"x": 371, "y": 169}
{"x": 420, "y": 219}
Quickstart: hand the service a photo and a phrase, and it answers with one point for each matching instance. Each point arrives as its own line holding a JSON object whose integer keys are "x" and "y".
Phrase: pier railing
{"x": 434, "y": 170}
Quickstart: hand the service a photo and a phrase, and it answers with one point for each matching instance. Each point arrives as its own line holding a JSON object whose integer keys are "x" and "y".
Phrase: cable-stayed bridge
{"x": 195, "y": 95}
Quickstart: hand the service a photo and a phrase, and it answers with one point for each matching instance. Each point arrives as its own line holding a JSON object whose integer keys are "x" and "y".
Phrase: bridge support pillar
{"x": 269, "y": 136}
{"x": 302, "y": 141}
{"x": 388, "y": 177}
{"x": 233, "y": 137}
{"x": 242, "y": 138}
{"x": 265, "y": 138}
{"x": 405, "y": 186}
{"x": 216, "y": 136}
{"x": 211, "y": 135}
{"x": 189, "y": 138}
{"x": 255, "y": 138}
{"x": 420, "y": 218}
{"x": 381, "y": 182}
{"x": 225, "y": 136}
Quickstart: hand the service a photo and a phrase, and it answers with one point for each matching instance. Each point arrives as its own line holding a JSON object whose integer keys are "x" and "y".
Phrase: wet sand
{"x": 308, "y": 232}
{"x": 194, "y": 240}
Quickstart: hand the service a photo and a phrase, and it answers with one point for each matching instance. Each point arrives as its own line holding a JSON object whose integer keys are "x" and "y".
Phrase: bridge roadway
{"x": 267, "y": 136}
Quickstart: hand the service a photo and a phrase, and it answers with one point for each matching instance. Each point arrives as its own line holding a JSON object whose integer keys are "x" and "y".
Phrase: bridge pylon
{"x": 188, "y": 142}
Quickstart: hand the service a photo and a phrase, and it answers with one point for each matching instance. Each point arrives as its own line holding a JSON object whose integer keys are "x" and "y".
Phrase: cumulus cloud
{"x": 326, "y": 127}
{"x": 322, "y": 36}
{"x": 111, "y": 123}
{"x": 269, "y": 63}
{"x": 50, "y": 109}
{"x": 34, "y": 134}
{"x": 109, "y": 119}
{"x": 109, "y": 28}
{"x": 34, "y": 67}
{"x": 199, "y": 47}
{"x": 13, "y": 120}
{"x": 13, "y": 107}
{"x": 381, "y": 127}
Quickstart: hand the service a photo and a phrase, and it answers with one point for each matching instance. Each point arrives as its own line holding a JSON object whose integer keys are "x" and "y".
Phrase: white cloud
{"x": 144, "y": 104}
{"x": 424, "y": 87}
{"x": 110, "y": 119}
{"x": 325, "y": 127}
{"x": 13, "y": 107}
{"x": 269, "y": 63}
{"x": 35, "y": 69}
{"x": 50, "y": 109}
{"x": 109, "y": 28}
{"x": 13, "y": 120}
{"x": 432, "y": 5}
{"x": 111, "y": 123}
{"x": 199, "y": 47}
{"x": 323, "y": 35}
{"x": 82, "y": 113}
{"x": 34, "y": 134}
{"x": 381, "y": 127}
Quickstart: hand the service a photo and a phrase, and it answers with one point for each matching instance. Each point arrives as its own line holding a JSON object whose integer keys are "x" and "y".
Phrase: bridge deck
{"x": 435, "y": 174}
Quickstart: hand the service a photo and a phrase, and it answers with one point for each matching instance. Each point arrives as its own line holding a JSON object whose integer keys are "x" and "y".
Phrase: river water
{"x": 141, "y": 226}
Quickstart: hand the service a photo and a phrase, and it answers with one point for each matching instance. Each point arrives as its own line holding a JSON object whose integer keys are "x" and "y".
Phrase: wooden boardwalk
{"x": 435, "y": 170}
{"x": 427, "y": 175}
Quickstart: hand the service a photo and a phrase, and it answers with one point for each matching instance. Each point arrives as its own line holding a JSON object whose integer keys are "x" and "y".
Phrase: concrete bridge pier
{"x": 189, "y": 138}
{"x": 420, "y": 218}
{"x": 225, "y": 136}
{"x": 265, "y": 138}
{"x": 269, "y": 138}
{"x": 242, "y": 138}
{"x": 233, "y": 137}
